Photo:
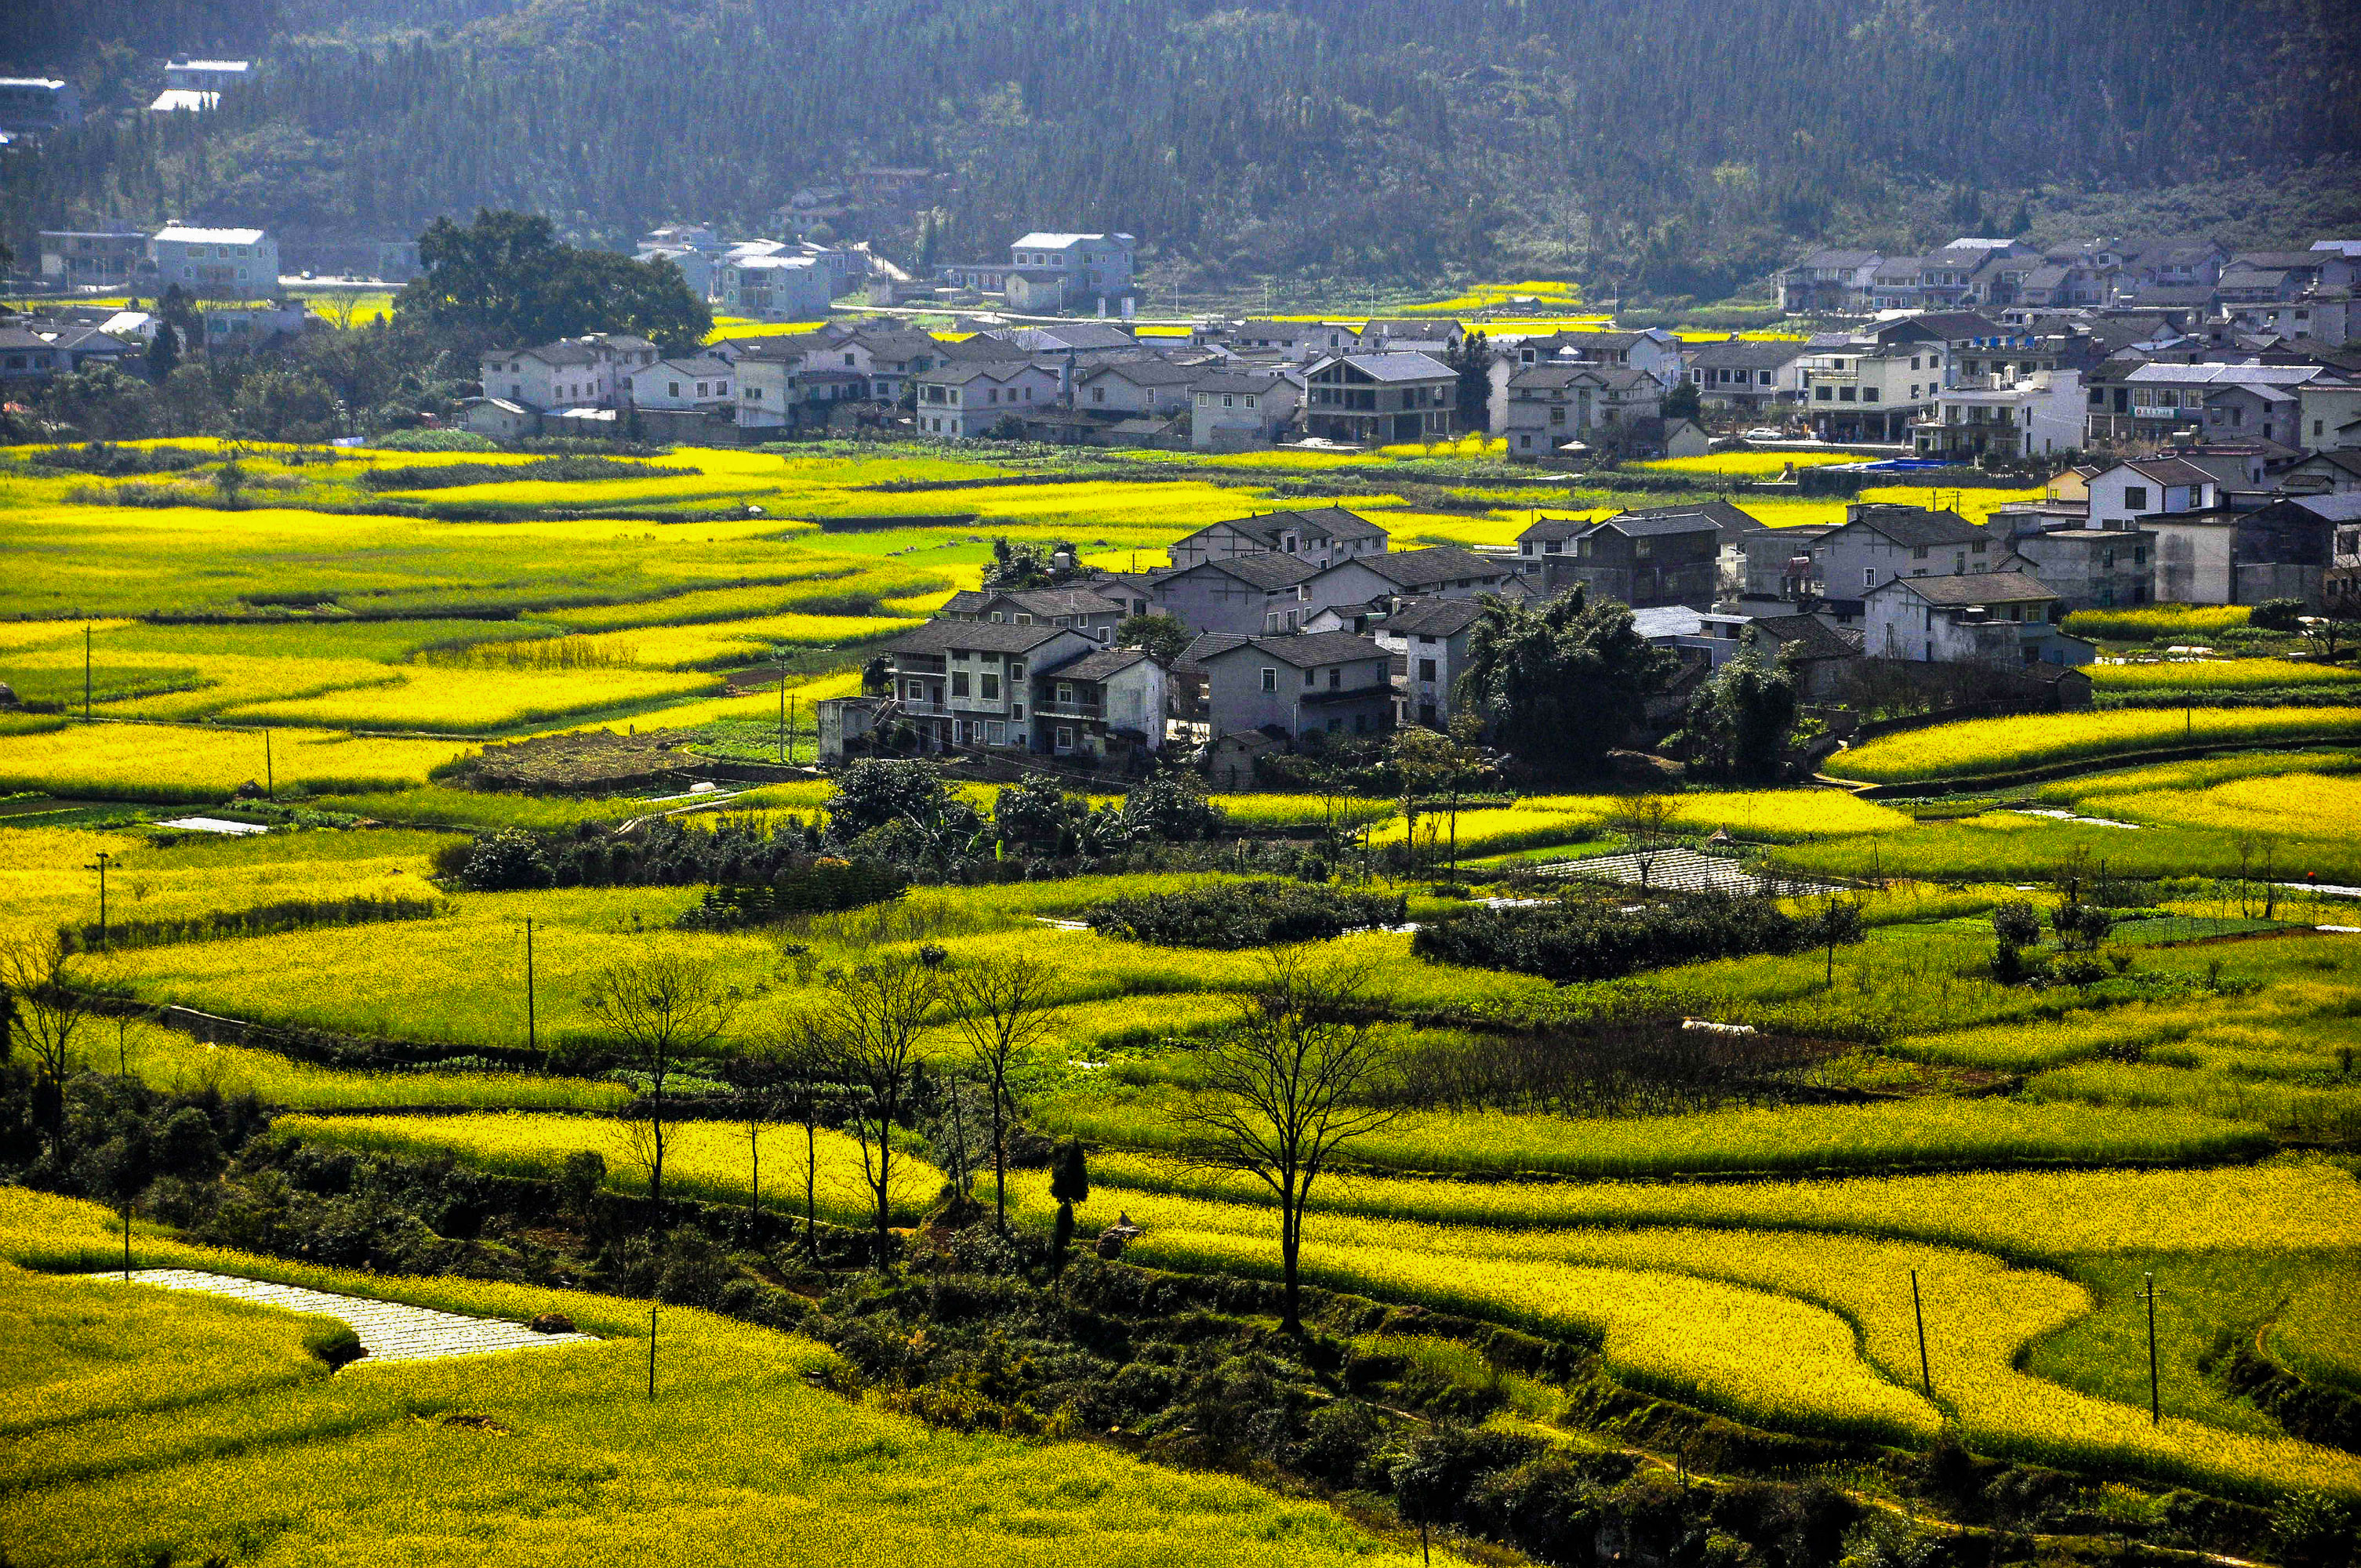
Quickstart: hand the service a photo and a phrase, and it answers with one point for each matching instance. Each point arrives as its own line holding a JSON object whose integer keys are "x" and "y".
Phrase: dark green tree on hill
{"x": 505, "y": 281}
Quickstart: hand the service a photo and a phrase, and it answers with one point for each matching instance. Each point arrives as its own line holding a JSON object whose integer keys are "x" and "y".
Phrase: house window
{"x": 1426, "y": 669}
{"x": 2136, "y": 497}
{"x": 1250, "y": 400}
{"x": 1015, "y": 669}
{"x": 1336, "y": 678}
{"x": 1065, "y": 737}
{"x": 959, "y": 683}
{"x": 1065, "y": 695}
{"x": 1869, "y": 576}
{"x": 1309, "y": 675}
{"x": 1269, "y": 678}
{"x": 672, "y": 389}
{"x": 991, "y": 683}
{"x": 998, "y": 731}
{"x": 913, "y": 691}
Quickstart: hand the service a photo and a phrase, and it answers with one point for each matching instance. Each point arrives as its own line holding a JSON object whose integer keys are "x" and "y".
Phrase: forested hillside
{"x": 1677, "y": 146}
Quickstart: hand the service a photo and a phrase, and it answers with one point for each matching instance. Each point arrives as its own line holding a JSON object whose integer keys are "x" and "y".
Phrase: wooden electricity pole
{"x": 2155, "y": 1402}
{"x": 531, "y": 1029}
{"x": 1926, "y": 1378}
{"x": 100, "y": 866}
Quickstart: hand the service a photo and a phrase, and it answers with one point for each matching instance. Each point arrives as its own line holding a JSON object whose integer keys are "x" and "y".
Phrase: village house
{"x": 2157, "y": 401}
{"x": 966, "y": 684}
{"x": 1378, "y": 582}
{"x": 2003, "y": 618}
{"x": 1240, "y": 596}
{"x": 92, "y": 258}
{"x": 1428, "y": 638}
{"x": 573, "y": 372}
{"x": 2333, "y": 472}
{"x": 1319, "y": 538}
{"x": 1547, "y": 405}
{"x": 1054, "y": 270}
{"x": 1372, "y": 399}
{"x": 31, "y": 105}
{"x": 2301, "y": 547}
{"x": 1829, "y": 282}
{"x": 2033, "y": 417}
{"x": 1297, "y": 341}
{"x": 700, "y": 384}
{"x": 966, "y": 399}
{"x": 2328, "y": 413}
{"x": 237, "y": 263}
{"x": 2091, "y": 568}
{"x": 772, "y": 287}
{"x": 1878, "y": 543}
{"x": 1751, "y": 379}
{"x": 1243, "y": 410}
{"x": 1131, "y": 388}
{"x": 1331, "y": 682}
{"x": 1644, "y": 560}
{"x": 1085, "y": 609}
{"x": 1104, "y": 708}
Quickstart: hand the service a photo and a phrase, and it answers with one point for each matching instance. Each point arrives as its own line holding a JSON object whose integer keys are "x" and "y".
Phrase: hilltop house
{"x": 1829, "y": 282}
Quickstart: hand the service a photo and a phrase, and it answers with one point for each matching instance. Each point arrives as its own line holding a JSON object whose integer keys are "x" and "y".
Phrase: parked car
{"x": 1763, "y": 432}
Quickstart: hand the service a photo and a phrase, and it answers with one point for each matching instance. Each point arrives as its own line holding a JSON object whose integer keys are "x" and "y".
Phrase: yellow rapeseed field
{"x": 2002, "y": 745}
{"x": 167, "y": 762}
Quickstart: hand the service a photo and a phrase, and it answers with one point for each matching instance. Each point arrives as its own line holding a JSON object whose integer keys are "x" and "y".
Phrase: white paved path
{"x": 388, "y": 1329}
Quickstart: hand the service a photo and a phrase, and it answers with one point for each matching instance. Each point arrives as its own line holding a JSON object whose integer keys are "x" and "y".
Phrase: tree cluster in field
{"x": 260, "y": 920}
{"x": 662, "y": 853}
{"x": 1608, "y": 1067}
{"x": 1738, "y": 724}
{"x": 1561, "y": 684}
{"x": 1238, "y": 914}
{"x": 1587, "y": 937}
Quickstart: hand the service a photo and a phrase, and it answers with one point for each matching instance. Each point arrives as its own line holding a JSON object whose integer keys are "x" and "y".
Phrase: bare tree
{"x": 661, "y": 1012}
{"x": 1286, "y": 1084}
{"x": 40, "y": 1009}
{"x": 1004, "y": 1011}
{"x": 1646, "y": 823}
{"x": 869, "y": 1032}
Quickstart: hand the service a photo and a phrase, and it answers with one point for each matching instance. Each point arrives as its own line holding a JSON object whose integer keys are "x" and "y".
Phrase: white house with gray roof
{"x": 966, "y": 399}
{"x": 1332, "y": 682}
{"x": 2006, "y": 619}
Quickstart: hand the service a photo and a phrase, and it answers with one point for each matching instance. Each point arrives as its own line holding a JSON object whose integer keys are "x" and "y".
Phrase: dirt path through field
{"x": 388, "y": 1329}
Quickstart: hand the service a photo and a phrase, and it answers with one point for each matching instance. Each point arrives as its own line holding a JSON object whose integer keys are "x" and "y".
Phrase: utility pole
{"x": 1926, "y": 1378}
{"x": 85, "y": 673}
{"x": 100, "y": 866}
{"x": 2155, "y": 1402}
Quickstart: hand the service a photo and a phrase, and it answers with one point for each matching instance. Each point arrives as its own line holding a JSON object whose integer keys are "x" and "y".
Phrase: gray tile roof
{"x": 1433, "y": 617}
{"x": 1302, "y": 650}
{"x": 1425, "y": 568}
{"x": 1973, "y": 588}
{"x": 1264, "y": 572}
{"x": 1657, "y": 525}
{"x": 1392, "y": 367}
{"x": 985, "y": 636}
{"x": 1098, "y": 666}
{"x": 1804, "y": 636}
{"x": 1915, "y": 525}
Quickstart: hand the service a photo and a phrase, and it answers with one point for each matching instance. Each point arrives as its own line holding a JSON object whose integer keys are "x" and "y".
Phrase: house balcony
{"x": 987, "y": 707}
{"x": 1070, "y": 710}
